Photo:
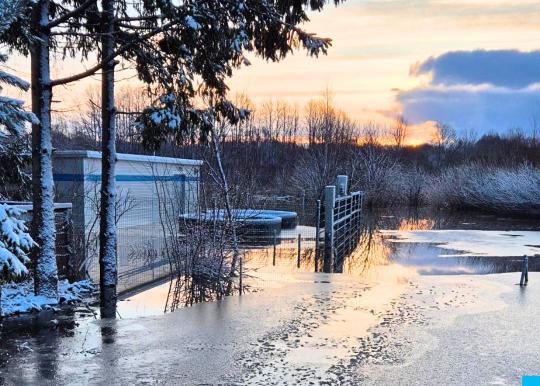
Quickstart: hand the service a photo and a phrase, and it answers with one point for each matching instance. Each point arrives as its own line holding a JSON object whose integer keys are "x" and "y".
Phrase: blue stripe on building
{"x": 67, "y": 177}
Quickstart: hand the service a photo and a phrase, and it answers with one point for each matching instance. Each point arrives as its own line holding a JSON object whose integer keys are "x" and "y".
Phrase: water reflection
{"x": 374, "y": 248}
{"x": 431, "y": 259}
{"x": 185, "y": 291}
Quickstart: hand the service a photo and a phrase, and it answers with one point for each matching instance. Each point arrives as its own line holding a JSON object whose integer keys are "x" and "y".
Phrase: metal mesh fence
{"x": 142, "y": 242}
{"x": 141, "y": 256}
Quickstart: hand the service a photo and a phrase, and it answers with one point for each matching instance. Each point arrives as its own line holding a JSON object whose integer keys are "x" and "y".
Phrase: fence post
{"x": 524, "y": 271}
{"x": 317, "y": 235}
{"x": 274, "y": 253}
{"x": 241, "y": 284}
{"x": 342, "y": 185}
{"x": 299, "y": 250}
{"x": 329, "y": 203}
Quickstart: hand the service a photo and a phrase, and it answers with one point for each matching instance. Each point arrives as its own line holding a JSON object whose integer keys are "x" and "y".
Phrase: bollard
{"x": 299, "y": 250}
{"x": 524, "y": 271}
{"x": 274, "y": 254}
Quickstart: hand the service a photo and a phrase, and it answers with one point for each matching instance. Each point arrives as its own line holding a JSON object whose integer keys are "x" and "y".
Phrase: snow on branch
{"x": 13, "y": 117}
{"x": 15, "y": 242}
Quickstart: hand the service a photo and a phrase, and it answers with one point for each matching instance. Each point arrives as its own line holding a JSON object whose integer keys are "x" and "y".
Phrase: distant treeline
{"x": 280, "y": 149}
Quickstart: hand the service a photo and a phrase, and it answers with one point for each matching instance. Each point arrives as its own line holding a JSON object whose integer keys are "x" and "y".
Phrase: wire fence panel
{"x": 140, "y": 252}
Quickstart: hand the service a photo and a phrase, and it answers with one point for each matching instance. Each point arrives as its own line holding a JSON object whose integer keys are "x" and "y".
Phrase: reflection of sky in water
{"x": 432, "y": 243}
{"x": 427, "y": 260}
{"x": 433, "y": 250}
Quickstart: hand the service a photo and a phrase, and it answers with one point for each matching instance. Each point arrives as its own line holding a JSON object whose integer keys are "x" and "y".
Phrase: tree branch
{"x": 119, "y": 51}
{"x": 65, "y": 17}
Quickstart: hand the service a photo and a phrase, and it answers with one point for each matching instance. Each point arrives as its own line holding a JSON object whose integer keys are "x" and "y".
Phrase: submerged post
{"x": 274, "y": 253}
{"x": 317, "y": 235}
{"x": 329, "y": 203}
{"x": 524, "y": 271}
{"x": 299, "y": 250}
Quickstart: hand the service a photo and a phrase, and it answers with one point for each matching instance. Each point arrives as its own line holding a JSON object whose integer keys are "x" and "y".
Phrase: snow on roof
{"x": 126, "y": 157}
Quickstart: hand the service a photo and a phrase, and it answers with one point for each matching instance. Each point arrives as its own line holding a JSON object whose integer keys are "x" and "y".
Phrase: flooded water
{"x": 430, "y": 242}
{"x": 299, "y": 323}
{"x": 438, "y": 243}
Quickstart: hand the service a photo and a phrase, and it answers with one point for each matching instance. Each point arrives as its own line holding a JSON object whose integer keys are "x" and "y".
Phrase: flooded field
{"x": 431, "y": 243}
{"x": 412, "y": 278}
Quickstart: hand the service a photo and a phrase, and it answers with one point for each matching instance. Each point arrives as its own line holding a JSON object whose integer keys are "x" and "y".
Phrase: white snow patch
{"x": 19, "y": 298}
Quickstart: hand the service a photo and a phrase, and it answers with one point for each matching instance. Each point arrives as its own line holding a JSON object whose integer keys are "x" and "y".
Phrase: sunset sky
{"x": 380, "y": 63}
{"x": 470, "y": 64}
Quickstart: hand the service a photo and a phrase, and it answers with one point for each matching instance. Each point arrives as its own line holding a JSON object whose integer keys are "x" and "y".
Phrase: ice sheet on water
{"x": 473, "y": 242}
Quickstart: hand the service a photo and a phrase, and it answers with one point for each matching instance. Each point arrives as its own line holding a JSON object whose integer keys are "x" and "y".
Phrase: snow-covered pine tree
{"x": 15, "y": 242}
{"x": 108, "y": 271}
{"x": 173, "y": 44}
{"x": 13, "y": 116}
{"x": 36, "y": 28}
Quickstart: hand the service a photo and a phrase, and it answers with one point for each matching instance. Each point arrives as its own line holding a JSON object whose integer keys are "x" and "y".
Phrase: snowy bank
{"x": 19, "y": 298}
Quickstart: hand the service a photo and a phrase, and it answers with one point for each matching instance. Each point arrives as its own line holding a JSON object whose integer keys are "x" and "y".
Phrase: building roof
{"x": 126, "y": 157}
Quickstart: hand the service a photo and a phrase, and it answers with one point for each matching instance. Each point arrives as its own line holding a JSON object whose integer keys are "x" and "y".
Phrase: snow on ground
{"x": 473, "y": 242}
{"x": 19, "y": 298}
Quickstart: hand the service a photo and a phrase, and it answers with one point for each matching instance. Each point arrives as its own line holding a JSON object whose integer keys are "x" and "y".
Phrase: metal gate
{"x": 342, "y": 216}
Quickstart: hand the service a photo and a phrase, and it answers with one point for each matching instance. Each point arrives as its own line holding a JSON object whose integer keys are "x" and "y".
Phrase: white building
{"x": 148, "y": 188}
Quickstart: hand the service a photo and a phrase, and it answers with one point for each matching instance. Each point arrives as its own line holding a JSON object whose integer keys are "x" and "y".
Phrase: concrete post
{"x": 329, "y": 203}
{"x": 342, "y": 185}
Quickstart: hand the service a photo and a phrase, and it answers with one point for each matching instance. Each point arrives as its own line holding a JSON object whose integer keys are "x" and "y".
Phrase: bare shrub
{"x": 378, "y": 174}
{"x": 496, "y": 189}
{"x": 316, "y": 169}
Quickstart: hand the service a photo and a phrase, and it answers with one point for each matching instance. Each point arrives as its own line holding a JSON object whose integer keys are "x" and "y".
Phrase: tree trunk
{"x": 43, "y": 229}
{"x": 107, "y": 231}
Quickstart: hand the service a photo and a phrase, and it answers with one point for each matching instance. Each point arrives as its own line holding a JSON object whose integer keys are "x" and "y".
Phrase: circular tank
{"x": 254, "y": 226}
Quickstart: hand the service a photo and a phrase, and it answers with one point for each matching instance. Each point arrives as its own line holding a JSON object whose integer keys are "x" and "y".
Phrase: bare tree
{"x": 400, "y": 130}
{"x": 445, "y": 135}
